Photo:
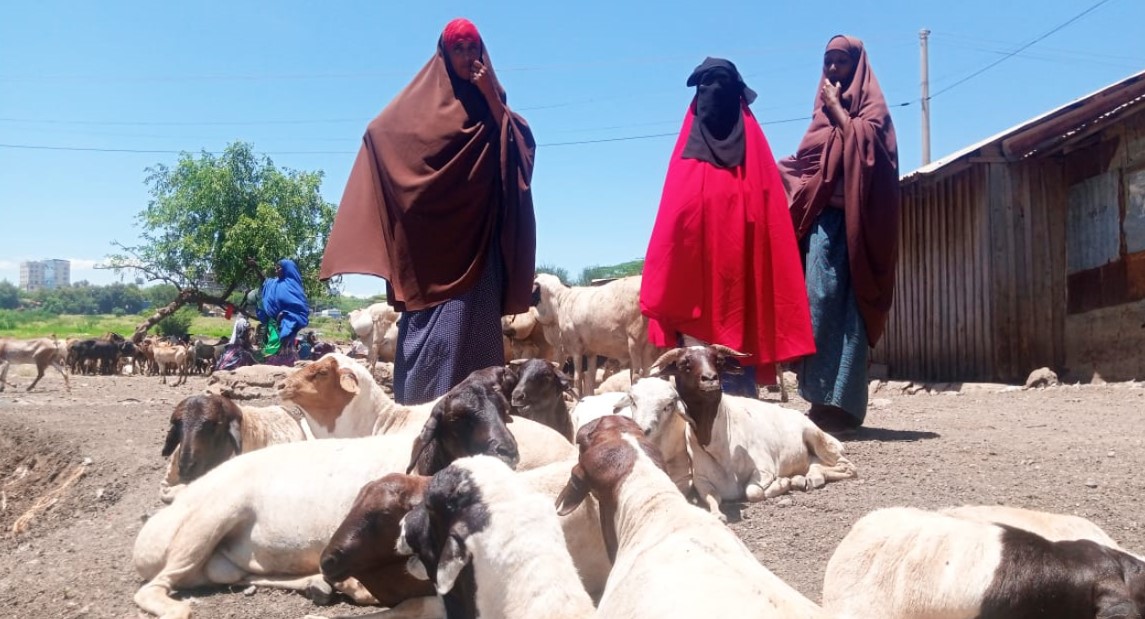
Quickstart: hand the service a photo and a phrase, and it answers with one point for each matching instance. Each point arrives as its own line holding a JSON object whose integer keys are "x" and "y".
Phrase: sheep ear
{"x": 416, "y": 568}
{"x": 174, "y": 435}
{"x": 348, "y": 381}
{"x": 454, "y": 557}
{"x": 235, "y": 431}
{"x": 1113, "y": 600}
{"x": 623, "y": 403}
{"x": 425, "y": 439}
{"x": 574, "y": 492}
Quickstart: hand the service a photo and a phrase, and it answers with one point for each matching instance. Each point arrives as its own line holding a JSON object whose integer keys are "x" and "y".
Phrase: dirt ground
{"x": 87, "y": 465}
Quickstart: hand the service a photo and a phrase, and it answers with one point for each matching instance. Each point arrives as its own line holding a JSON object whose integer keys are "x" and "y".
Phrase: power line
{"x": 627, "y": 138}
{"x": 1021, "y": 48}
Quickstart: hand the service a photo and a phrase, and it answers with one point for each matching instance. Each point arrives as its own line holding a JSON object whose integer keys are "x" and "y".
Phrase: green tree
{"x": 9, "y": 295}
{"x": 561, "y": 272}
{"x": 208, "y": 214}
{"x": 624, "y": 269}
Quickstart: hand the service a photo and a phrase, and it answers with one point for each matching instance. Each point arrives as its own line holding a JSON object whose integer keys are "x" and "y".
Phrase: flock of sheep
{"x": 507, "y": 497}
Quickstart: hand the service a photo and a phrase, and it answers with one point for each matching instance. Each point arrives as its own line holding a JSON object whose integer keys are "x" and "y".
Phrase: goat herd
{"x": 510, "y": 496}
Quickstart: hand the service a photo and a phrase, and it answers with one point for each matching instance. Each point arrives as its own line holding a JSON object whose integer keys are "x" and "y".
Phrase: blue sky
{"x": 300, "y": 80}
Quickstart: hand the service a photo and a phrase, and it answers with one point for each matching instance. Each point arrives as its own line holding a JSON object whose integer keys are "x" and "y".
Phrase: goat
{"x": 42, "y": 352}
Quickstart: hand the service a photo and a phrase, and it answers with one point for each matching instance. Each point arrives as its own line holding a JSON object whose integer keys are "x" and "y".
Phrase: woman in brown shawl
{"x": 844, "y": 190}
{"x": 439, "y": 204}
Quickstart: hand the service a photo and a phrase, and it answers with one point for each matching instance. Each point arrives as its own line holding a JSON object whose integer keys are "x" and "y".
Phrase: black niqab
{"x": 717, "y": 135}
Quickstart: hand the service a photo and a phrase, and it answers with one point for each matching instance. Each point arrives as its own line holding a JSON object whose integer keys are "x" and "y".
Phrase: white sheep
{"x": 339, "y": 399}
{"x": 745, "y": 448}
{"x": 671, "y": 558}
{"x": 478, "y": 512}
{"x": 590, "y": 321}
{"x": 905, "y": 563}
{"x": 371, "y": 324}
{"x": 206, "y": 430}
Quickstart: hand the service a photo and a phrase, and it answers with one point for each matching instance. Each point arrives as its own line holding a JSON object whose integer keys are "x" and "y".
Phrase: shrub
{"x": 178, "y": 324}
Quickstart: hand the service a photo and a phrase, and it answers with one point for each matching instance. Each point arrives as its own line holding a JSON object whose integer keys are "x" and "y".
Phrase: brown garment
{"x": 434, "y": 180}
{"x": 864, "y": 154}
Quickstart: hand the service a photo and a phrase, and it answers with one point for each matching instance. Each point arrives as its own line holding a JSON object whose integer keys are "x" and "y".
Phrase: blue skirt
{"x": 836, "y": 375}
{"x": 440, "y": 346}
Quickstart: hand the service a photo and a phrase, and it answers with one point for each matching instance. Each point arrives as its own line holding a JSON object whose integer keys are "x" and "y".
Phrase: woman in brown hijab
{"x": 844, "y": 190}
{"x": 439, "y": 204}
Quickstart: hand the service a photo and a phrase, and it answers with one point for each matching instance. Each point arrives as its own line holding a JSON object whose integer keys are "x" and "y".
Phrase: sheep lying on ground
{"x": 481, "y": 521}
{"x": 364, "y": 547}
{"x": 265, "y": 518}
{"x": 746, "y": 448}
{"x": 207, "y": 430}
{"x": 1054, "y": 527}
{"x": 671, "y": 559}
{"x": 904, "y": 563}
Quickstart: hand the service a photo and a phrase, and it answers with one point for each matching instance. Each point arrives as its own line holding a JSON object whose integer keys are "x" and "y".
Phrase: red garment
{"x": 723, "y": 265}
{"x": 458, "y": 29}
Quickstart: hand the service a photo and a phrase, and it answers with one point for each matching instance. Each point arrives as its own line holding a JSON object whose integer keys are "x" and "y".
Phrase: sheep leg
{"x": 315, "y": 586}
{"x": 782, "y": 385}
{"x": 356, "y": 591}
{"x": 39, "y": 375}
{"x": 709, "y": 497}
{"x": 155, "y": 598}
{"x": 842, "y": 469}
{"x": 60, "y": 368}
{"x": 590, "y": 375}
{"x": 4, "y": 373}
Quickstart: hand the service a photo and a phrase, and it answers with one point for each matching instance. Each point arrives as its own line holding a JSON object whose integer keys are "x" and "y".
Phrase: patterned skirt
{"x": 836, "y": 375}
{"x": 440, "y": 346}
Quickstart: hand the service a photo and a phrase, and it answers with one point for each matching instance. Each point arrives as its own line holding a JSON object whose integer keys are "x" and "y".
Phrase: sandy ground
{"x": 91, "y": 460}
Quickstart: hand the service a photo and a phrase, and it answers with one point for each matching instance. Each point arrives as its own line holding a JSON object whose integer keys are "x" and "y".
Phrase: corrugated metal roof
{"x": 1053, "y": 127}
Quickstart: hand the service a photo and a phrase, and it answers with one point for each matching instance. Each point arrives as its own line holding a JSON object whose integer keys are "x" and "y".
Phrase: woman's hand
{"x": 832, "y": 105}
{"x": 483, "y": 78}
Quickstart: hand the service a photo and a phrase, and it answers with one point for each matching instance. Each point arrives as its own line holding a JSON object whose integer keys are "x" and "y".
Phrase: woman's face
{"x": 462, "y": 53}
{"x": 838, "y": 67}
{"x": 277, "y": 270}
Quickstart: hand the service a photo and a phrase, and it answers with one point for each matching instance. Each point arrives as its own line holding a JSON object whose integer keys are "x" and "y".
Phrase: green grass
{"x": 40, "y": 324}
{"x": 30, "y": 324}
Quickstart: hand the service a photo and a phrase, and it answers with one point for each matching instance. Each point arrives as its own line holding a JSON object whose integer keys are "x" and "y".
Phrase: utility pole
{"x": 924, "y": 58}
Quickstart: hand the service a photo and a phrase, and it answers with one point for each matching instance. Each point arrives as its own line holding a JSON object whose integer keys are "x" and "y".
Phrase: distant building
{"x": 44, "y": 274}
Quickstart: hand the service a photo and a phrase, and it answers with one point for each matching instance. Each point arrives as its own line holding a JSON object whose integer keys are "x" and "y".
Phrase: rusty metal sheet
{"x": 1135, "y": 212}
{"x": 1093, "y": 233}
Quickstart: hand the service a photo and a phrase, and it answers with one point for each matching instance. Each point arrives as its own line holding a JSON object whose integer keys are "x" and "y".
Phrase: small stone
{"x": 88, "y": 461}
{"x": 249, "y": 591}
{"x": 99, "y": 493}
{"x": 1111, "y": 454}
{"x": 1091, "y": 484}
{"x": 784, "y": 502}
{"x": 1042, "y": 377}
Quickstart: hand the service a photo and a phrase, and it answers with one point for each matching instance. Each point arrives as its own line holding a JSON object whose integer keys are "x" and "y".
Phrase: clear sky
{"x": 300, "y": 80}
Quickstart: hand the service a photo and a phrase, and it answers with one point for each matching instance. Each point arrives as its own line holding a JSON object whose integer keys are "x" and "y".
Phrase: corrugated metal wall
{"x": 980, "y": 291}
{"x": 938, "y": 325}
